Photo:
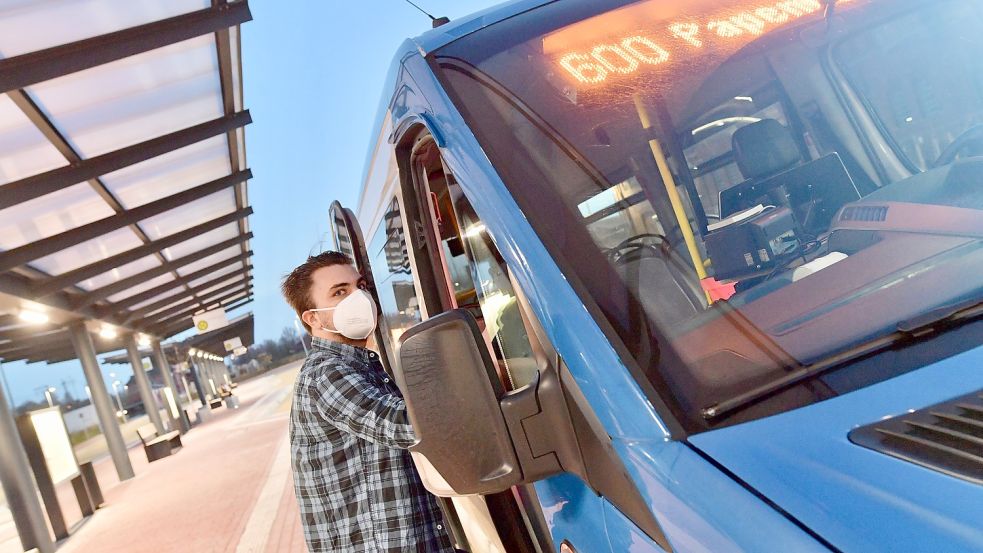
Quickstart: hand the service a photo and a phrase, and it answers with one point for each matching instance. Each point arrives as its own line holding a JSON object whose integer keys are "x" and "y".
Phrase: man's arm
{"x": 350, "y": 403}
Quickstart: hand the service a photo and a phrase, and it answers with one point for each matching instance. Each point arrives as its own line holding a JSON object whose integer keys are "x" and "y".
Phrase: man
{"x": 356, "y": 484}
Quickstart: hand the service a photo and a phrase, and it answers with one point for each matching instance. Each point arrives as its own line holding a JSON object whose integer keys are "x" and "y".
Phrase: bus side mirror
{"x": 452, "y": 396}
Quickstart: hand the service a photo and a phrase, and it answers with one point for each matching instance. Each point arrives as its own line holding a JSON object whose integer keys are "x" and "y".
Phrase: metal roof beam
{"x": 120, "y": 285}
{"x": 196, "y": 304}
{"x": 27, "y": 331}
{"x": 179, "y": 324}
{"x": 78, "y": 171}
{"x": 35, "y": 67}
{"x": 32, "y": 342}
{"x": 20, "y": 287}
{"x": 177, "y": 283}
{"x": 18, "y": 256}
{"x": 56, "y": 283}
{"x": 150, "y": 308}
{"x": 162, "y": 320}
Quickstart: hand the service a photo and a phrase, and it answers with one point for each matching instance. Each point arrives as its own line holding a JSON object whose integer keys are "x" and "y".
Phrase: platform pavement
{"x": 228, "y": 490}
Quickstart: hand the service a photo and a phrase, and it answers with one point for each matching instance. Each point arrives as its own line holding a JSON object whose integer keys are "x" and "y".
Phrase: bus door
{"x": 465, "y": 271}
{"x": 348, "y": 240}
{"x": 391, "y": 296}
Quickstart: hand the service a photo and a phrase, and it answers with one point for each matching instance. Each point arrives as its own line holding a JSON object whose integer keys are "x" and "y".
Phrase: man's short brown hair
{"x": 296, "y": 286}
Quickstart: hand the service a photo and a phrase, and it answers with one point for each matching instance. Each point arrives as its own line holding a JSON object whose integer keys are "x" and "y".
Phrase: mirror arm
{"x": 541, "y": 429}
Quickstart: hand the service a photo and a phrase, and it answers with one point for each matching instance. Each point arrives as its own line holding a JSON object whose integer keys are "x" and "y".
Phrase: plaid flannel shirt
{"x": 356, "y": 484}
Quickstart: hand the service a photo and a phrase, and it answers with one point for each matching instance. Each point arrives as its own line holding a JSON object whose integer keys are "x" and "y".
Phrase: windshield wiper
{"x": 927, "y": 324}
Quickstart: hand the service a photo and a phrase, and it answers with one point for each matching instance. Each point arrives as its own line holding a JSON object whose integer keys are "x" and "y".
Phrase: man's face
{"x": 330, "y": 285}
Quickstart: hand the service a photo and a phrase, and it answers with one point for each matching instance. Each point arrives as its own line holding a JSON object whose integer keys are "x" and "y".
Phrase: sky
{"x": 313, "y": 73}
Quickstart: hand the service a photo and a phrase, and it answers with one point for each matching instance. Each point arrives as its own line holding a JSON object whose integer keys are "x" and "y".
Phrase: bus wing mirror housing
{"x": 452, "y": 396}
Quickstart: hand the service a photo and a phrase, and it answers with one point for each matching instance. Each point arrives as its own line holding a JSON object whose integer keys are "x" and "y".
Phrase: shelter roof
{"x": 123, "y": 195}
{"x": 242, "y": 327}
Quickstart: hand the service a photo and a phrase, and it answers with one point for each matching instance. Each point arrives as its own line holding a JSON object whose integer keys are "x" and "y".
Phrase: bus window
{"x": 922, "y": 75}
{"x": 393, "y": 277}
{"x": 464, "y": 273}
{"x": 499, "y": 305}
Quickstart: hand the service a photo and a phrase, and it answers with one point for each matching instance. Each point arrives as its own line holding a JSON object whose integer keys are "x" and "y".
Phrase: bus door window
{"x": 474, "y": 272}
{"x": 470, "y": 274}
{"x": 390, "y": 262}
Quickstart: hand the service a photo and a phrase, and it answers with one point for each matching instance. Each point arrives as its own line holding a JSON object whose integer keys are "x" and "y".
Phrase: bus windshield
{"x": 757, "y": 191}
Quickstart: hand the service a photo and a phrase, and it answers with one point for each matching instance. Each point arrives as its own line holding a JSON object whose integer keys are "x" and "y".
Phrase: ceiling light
{"x": 33, "y": 317}
{"x": 143, "y": 340}
{"x": 107, "y": 332}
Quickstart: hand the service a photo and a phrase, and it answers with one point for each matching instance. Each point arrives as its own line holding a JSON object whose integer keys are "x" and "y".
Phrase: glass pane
{"x": 499, "y": 304}
{"x": 816, "y": 254}
{"x": 35, "y": 25}
{"x": 135, "y": 99}
{"x": 25, "y": 151}
{"x": 197, "y": 212}
{"x": 923, "y": 75}
{"x": 393, "y": 277}
{"x": 88, "y": 252}
{"x": 209, "y": 261}
{"x": 142, "y": 287}
{"x": 51, "y": 214}
{"x": 226, "y": 282}
{"x": 170, "y": 173}
{"x": 175, "y": 290}
{"x": 128, "y": 270}
{"x": 201, "y": 242}
{"x": 234, "y": 268}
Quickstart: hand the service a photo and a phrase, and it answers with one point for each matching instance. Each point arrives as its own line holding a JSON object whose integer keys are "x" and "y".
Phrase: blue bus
{"x": 687, "y": 275}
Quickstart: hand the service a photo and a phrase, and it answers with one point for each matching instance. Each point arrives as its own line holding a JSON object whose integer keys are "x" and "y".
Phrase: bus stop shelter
{"x": 197, "y": 356}
{"x": 123, "y": 197}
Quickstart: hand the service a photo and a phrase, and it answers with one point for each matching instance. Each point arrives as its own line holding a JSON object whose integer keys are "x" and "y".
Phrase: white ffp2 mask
{"x": 354, "y": 316}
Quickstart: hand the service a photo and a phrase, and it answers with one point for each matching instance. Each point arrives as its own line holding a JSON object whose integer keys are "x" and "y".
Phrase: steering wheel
{"x": 636, "y": 242}
{"x": 961, "y": 141}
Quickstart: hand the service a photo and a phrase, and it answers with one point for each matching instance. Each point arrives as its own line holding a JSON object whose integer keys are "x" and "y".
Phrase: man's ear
{"x": 308, "y": 318}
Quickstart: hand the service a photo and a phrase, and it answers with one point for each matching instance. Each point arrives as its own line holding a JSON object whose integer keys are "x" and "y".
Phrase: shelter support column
{"x": 86, "y": 354}
{"x": 159, "y": 360}
{"x": 143, "y": 383}
{"x": 18, "y": 485}
{"x": 197, "y": 377}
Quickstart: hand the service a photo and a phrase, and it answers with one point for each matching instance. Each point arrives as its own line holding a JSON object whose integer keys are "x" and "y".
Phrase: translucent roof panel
{"x": 198, "y": 243}
{"x": 229, "y": 301}
{"x": 128, "y": 270}
{"x": 209, "y": 261}
{"x": 142, "y": 287}
{"x": 225, "y": 282}
{"x": 172, "y": 292}
{"x": 199, "y": 211}
{"x": 234, "y": 268}
{"x": 31, "y": 25}
{"x": 25, "y": 151}
{"x": 88, "y": 252}
{"x": 51, "y": 214}
{"x": 137, "y": 98}
{"x": 177, "y": 301}
{"x": 170, "y": 173}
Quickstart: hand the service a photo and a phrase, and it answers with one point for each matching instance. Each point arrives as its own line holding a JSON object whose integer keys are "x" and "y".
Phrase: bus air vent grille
{"x": 867, "y": 213}
{"x": 947, "y": 437}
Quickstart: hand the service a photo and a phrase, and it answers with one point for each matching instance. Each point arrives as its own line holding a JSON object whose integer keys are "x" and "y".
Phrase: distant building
{"x": 80, "y": 419}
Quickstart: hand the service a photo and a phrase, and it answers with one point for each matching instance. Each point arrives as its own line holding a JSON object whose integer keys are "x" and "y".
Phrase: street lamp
{"x": 121, "y": 413}
{"x": 107, "y": 332}
{"x": 47, "y": 395}
{"x": 301, "y": 333}
{"x": 33, "y": 317}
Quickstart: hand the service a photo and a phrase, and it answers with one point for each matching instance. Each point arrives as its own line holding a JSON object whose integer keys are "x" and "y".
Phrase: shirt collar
{"x": 342, "y": 350}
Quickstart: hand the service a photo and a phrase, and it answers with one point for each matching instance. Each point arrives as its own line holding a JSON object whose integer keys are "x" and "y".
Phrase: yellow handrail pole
{"x": 674, "y": 199}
